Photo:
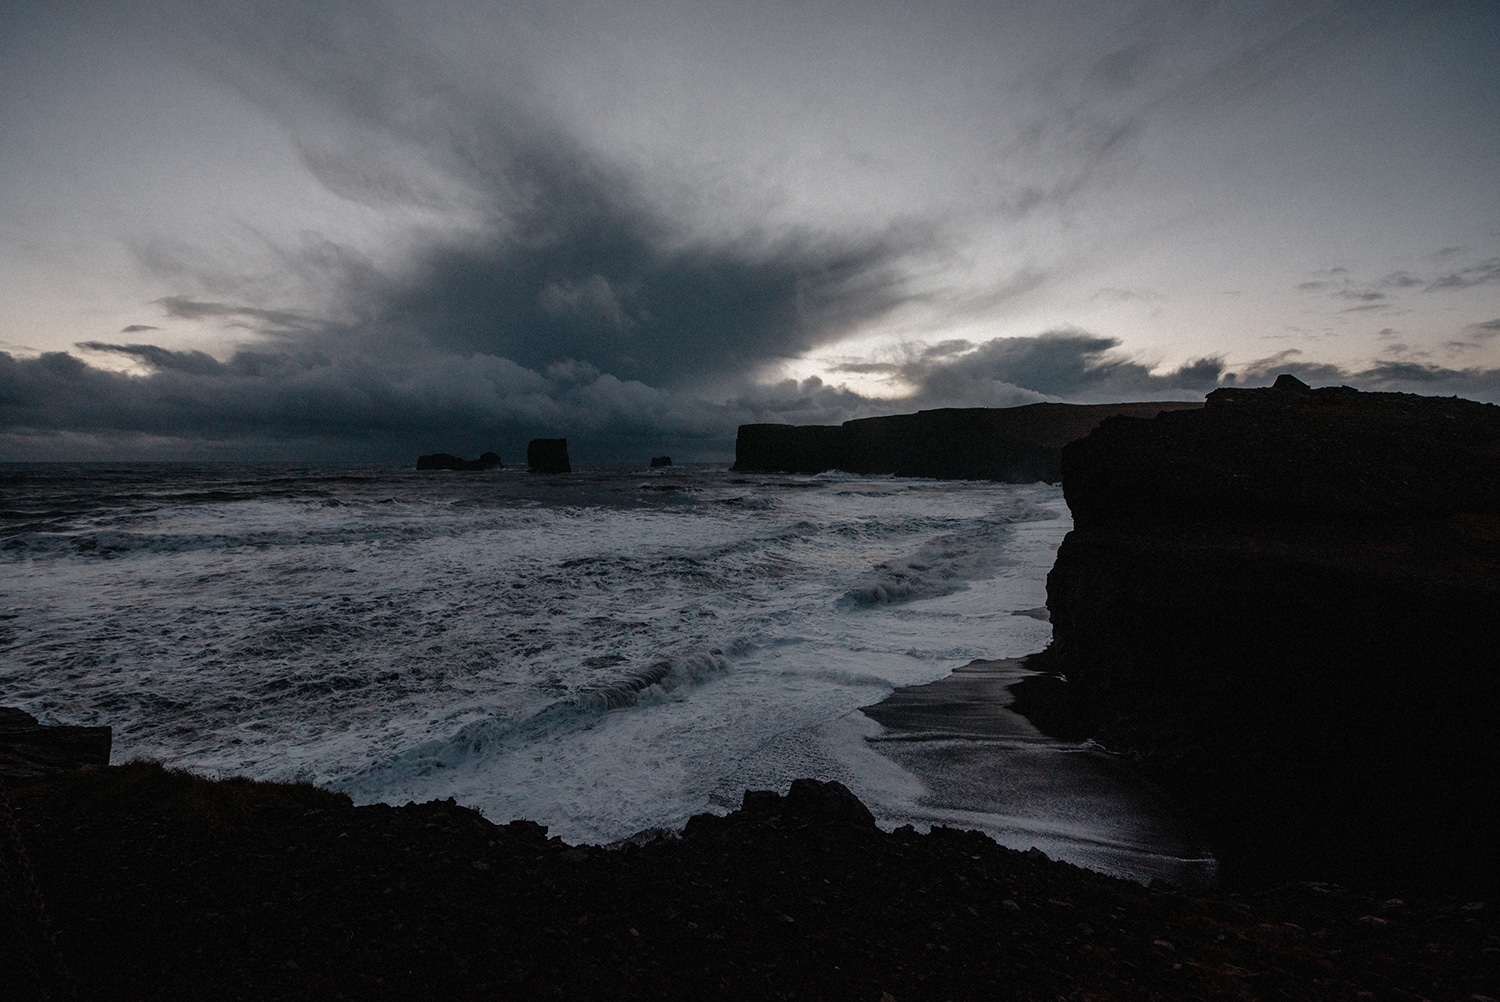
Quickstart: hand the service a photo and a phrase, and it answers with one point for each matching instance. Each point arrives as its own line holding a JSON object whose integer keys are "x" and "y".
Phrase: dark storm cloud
{"x": 304, "y": 403}
{"x": 565, "y": 255}
{"x": 307, "y": 404}
{"x": 568, "y": 301}
{"x": 264, "y": 404}
{"x": 605, "y": 286}
{"x": 541, "y": 280}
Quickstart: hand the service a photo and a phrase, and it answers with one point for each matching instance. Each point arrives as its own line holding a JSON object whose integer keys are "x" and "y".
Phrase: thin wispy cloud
{"x": 1484, "y": 273}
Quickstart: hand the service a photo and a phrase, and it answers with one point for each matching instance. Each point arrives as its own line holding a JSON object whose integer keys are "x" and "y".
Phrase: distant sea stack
{"x": 443, "y": 461}
{"x": 1286, "y": 606}
{"x": 1012, "y": 444}
{"x": 548, "y": 455}
{"x": 657, "y": 461}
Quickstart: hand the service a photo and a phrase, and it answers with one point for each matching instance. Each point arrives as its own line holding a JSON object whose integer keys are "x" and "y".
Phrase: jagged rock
{"x": 660, "y": 461}
{"x": 811, "y": 800}
{"x": 27, "y": 748}
{"x": 548, "y": 455}
{"x": 443, "y": 461}
{"x": 159, "y": 884}
{"x": 1013, "y": 444}
{"x": 1284, "y": 606}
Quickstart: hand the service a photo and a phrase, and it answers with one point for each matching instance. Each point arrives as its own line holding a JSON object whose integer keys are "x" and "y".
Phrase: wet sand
{"x": 986, "y": 767}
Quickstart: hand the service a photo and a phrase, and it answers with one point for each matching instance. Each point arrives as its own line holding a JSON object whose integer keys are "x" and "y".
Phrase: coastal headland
{"x": 1010, "y": 444}
{"x": 1283, "y": 606}
{"x": 1280, "y": 605}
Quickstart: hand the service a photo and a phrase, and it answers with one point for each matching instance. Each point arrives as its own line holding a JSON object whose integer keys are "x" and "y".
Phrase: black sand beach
{"x": 983, "y": 765}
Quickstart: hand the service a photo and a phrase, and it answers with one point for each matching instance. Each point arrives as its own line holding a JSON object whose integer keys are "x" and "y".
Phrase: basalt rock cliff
{"x": 1286, "y": 605}
{"x": 1014, "y": 444}
{"x": 548, "y": 455}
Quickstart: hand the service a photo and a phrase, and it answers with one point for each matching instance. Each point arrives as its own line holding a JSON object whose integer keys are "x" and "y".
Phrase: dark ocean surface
{"x": 604, "y": 652}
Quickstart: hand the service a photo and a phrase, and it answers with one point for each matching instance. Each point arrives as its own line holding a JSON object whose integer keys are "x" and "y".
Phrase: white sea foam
{"x": 595, "y": 652}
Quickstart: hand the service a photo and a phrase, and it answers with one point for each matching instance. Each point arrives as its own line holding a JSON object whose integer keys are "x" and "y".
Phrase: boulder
{"x": 548, "y": 455}
{"x": 27, "y": 748}
{"x": 811, "y": 801}
{"x": 443, "y": 461}
{"x": 660, "y": 461}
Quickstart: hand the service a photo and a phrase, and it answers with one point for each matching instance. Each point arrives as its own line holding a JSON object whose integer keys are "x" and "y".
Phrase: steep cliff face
{"x": 1014, "y": 444}
{"x": 548, "y": 455}
{"x": 1287, "y": 606}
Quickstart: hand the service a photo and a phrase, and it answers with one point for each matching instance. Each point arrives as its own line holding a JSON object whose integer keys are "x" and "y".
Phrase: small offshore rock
{"x": 548, "y": 455}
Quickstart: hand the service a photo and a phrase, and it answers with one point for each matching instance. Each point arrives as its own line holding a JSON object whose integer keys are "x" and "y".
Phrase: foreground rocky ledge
{"x": 162, "y": 885}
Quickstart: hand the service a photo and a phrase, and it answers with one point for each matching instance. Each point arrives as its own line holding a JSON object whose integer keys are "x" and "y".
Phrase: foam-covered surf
{"x": 605, "y": 652}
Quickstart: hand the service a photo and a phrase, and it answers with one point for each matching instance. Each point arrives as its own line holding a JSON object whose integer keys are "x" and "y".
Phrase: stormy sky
{"x": 363, "y": 231}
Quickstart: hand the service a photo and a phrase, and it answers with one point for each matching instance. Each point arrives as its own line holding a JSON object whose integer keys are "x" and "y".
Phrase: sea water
{"x": 603, "y": 652}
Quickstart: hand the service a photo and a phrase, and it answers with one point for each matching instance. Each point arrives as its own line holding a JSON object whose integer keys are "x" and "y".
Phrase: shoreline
{"x": 985, "y": 765}
{"x": 157, "y": 883}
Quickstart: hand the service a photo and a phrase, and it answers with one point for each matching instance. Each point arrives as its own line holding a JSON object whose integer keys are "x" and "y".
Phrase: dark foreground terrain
{"x": 157, "y": 884}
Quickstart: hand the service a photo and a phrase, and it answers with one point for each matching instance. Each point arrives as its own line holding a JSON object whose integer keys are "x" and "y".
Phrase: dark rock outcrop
{"x": 1286, "y": 605}
{"x": 660, "y": 461}
{"x": 1014, "y": 444}
{"x": 162, "y": 885}
{"x": 548, "y": 455}
{"x": 811, "y": 801}
{"x": 443, "y": 461}
{"x": 27, "y": 748}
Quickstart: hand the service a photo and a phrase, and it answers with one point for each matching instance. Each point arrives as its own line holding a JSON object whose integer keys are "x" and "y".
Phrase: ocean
{"x": 604, "y": 652}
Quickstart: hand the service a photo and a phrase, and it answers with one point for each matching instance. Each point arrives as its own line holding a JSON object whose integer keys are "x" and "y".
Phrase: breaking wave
{"x": 940, "y": 566}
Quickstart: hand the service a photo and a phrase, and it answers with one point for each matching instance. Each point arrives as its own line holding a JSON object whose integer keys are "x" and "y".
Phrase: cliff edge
{"x": 1286, "y": 606}
{"x": 1012, "y": 444}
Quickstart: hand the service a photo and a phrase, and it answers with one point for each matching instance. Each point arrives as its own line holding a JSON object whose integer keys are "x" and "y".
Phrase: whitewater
{"x": 604, "y": 652}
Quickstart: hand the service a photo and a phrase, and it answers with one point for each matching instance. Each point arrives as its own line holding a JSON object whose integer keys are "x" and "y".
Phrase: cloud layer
{"x": 627, "y": 224}
{"x": 305, "y": 404}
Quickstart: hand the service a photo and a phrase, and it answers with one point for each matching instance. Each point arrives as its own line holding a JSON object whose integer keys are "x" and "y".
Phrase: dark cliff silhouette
{"x": 1286, "y": 606}
{"x": 1014, "y": 444}
{"x": 548, "y": 455}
